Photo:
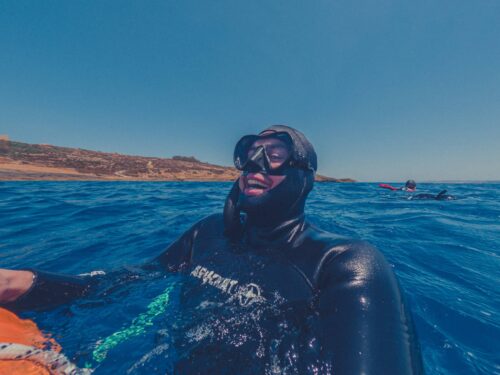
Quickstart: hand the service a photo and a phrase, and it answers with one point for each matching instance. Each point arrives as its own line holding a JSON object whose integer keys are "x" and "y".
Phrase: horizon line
{"x": 6, "y": 138}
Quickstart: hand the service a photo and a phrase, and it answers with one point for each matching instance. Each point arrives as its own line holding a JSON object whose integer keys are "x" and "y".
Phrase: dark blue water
{"x": 445, "y": 253}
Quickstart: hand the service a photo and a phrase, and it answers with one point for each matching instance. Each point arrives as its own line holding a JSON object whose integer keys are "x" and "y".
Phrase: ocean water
{"x": 445, "y": 253}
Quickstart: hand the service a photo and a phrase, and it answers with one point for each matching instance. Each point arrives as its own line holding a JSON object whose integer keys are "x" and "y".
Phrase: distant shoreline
{"x": 6, "y": 174}
{"x": 33, "y": 162}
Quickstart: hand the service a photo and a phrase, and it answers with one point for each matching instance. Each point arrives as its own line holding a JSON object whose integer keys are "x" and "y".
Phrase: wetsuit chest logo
{"x": 246, "y": 294}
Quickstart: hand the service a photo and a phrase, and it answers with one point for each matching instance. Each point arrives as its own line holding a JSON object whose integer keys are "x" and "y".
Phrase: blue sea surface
{"x": 445, "y": 253}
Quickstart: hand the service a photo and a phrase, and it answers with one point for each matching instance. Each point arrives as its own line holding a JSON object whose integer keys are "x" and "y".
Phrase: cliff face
{"x": 23, "y": 161}
{"x": 44, "y": 162}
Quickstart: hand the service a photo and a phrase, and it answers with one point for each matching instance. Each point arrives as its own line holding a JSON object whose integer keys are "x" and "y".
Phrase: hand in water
{"x": 14, "y": 284}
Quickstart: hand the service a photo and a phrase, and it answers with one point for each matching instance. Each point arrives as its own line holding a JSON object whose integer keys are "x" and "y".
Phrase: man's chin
{"x": 253, "y": 192}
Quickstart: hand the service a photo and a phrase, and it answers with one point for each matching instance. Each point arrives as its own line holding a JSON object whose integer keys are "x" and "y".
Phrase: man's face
{"x": 254, "y": 184}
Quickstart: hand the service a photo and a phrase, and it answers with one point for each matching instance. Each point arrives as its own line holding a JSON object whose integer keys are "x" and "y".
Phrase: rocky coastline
{"x": 34, "y": 162}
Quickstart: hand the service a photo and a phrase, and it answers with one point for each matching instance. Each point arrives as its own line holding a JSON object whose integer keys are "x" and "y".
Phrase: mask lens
{"x": 251, "y": 151}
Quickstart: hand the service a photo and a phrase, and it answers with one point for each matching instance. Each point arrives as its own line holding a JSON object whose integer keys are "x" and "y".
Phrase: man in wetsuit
{"x": 266, "y": 292}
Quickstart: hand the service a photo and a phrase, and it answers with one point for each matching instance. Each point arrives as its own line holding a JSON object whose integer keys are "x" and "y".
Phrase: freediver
{"x": 410, "y": 186}
{"x": 260, "y": 260}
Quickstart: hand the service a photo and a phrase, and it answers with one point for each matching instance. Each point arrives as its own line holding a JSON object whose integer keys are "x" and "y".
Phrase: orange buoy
{"x": 25, "y": 350}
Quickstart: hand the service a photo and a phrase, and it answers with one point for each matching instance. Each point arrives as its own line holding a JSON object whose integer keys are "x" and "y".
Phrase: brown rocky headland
{"x": 24, "y": 161}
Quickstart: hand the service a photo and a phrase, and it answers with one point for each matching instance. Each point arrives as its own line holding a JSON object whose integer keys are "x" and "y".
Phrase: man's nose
{"x": 258, "y": 162}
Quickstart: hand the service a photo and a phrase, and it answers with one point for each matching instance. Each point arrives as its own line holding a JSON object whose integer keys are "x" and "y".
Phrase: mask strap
{"x": 233, "y": 227}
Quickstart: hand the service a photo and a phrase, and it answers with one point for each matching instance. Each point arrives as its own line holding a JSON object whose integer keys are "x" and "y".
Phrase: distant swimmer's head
{"x": 277, "y": 172}
{"x": 410, "y": 185}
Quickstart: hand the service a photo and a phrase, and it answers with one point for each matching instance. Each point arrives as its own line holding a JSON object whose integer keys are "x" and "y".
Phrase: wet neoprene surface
{"x": 338, "y": 299}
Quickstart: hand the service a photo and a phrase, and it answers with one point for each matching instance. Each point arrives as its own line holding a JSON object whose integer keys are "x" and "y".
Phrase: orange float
{"x": 25, "y": 350}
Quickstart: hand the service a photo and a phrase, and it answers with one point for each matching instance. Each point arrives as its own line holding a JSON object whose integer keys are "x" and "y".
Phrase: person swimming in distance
{"x": 291, "y": 285}
{"x": 410, "y": 186}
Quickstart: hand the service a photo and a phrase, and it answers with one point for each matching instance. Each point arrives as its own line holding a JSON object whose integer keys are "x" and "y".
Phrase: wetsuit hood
{"x": 280, "y": 205}
{"x": 303, "y": 150}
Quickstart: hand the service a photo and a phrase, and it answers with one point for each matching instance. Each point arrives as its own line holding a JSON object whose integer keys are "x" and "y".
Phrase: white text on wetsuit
{"x": 246, "y": 294}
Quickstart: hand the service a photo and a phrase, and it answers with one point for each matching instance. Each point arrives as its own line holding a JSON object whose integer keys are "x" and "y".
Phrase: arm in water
{"x": 387, "y": 186}
{"x": 33, "y": 289}
{"x": 13, "y": 284}
{"x": 364, "y": 323}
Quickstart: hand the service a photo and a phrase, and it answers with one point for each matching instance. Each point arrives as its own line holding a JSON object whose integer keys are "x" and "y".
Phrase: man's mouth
{"x": 256, "y": 186}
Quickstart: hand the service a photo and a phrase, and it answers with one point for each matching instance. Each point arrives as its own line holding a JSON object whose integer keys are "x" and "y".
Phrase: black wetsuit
{"x": 441, "y": 196}
{"x": 339, "y": 299}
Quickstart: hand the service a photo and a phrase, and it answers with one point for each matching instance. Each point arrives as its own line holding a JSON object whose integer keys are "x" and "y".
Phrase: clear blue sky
{"x": 385, "y": 90}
